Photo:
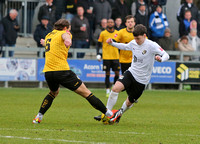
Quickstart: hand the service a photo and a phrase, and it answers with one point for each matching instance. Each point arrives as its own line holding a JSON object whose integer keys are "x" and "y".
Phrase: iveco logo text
{"x": 162, "y": 70}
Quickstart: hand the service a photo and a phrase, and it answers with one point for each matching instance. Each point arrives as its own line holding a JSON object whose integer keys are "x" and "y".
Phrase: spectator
{"x": 136, "y": 5}
{"x": 102, "y": 9}
{"x": 120, "y": 9}
{"x": 183, "y": 45}
{"x": 99, "y": 29}
{"x": 142, "y": 17}
{"x": 184, "y": 25}
{"x": 48, "y": 9}
{"x": 166, "y": 42}
{"x": 80, "y": 31}
{"x": 41, "y": 31}
{"x": 194, "y": 40}
{"x": 88, "y": 6}
{"x": 188, "y": 5}
{"x": 60, "y": 8}
{"x": 11, "y": 28}
{"x": 157, "y": 23}
{"x": 152, "y": 6}
{"x": 2, "y": 36}
{"x": 118, "y": 24}
{"x": 194, "y": 25}
{"x": 70, "y": 9}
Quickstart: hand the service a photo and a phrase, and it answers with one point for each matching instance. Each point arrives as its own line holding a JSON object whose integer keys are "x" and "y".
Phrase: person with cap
{"x": 158, "y": 23}
{"x": 166, "y": 42}
{"x": 42, "y": 30}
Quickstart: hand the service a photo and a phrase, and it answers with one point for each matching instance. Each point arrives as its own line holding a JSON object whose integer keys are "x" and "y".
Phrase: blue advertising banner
{"x": 86, "y": 70}
{"x": 163, "y": 72}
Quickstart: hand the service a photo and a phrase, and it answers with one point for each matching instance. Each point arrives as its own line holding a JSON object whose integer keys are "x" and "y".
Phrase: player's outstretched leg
{"x": 46, "y": 104}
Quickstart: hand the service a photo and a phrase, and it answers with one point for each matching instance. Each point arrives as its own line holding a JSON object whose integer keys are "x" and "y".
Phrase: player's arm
{"x": 67, "y": 39}
{"x": 161, "y": 54}
{"x": 42, "y": 42}
{"x": 121, "y": 46}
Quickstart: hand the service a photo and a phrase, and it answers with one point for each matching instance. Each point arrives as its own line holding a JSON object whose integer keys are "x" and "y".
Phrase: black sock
{"x": 107, "y": 81}
{"x": 96, "y": 103}
{"x": 116, "y": 78}
{"x": 46, "y": 103}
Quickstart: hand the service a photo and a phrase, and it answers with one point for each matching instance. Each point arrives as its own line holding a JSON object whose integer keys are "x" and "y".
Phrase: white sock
{"x": 125, "y": 107}
{"x": 107, "y": 90}
{"x": 112, "y": 100}
{"x": 109, "y": 113}
{"x": 40, "y": 116}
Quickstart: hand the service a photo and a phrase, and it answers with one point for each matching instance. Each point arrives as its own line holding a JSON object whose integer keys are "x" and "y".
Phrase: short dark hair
{"x": 60, "y": 24}
{"x": 129, "y": 17}
{"x": 139, "y": 30}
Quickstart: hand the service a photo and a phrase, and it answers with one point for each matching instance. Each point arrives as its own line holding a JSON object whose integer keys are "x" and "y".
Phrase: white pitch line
{"x": 83, "y": 131}
{"x": 42, "y": 139}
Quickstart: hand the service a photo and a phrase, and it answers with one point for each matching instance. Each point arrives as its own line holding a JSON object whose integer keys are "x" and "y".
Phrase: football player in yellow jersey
{"x": 110, "y": 54}
{"x": 125, "y": 35}
{"x": 57, "y": 71}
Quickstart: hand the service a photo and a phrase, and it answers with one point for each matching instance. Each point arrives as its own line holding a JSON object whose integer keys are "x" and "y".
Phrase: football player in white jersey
{"x": 135, "y": 79}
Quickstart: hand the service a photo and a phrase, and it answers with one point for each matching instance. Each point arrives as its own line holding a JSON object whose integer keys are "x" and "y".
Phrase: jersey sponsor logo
{"x": 161, "y": 49}
{"x": 144, "y": 52}
{"x": 115, "y": 35}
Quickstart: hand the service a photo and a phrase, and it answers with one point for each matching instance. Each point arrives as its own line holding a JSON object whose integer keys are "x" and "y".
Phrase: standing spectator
{"x": 184, "y": 25}
{"x": 136, "y": 5}
{"x": 2, "y": 36}
{"x": 41, "y": 31}
{"x": 188, "y": 5}
{"x": 99, "y": 29}
{"x": 102, "y": 9}
{"x": 152, "y": 6}
{"x": 125, "y": 35}
{"x": 158, "y": 23}
{"x": 166, "y": 42}
{"x": 142, "y": 17}
{"x": 70, "y": 9}
{"x": 118, "y": 24}
{"x": 80, "y": 30}
{"x": 194, "y": 40}
{"x": 120, "y": 9}
{"x": 11, "y": 28}
{"x": 48, "y": 9}
{"x": 88, "y": 6}
{"x": 110, "y": 55}
{"x": 60, "y": 8}
{"x": 183, "y": 45}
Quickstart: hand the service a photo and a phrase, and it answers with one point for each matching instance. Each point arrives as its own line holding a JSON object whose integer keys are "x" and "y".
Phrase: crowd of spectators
{"x": 89, "y": 17}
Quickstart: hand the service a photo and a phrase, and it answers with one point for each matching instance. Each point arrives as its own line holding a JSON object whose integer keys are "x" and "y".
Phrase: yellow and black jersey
{"x": 124, "y": 36}
{"x": 109, "y": 52}
{"x": 56, "y": 52}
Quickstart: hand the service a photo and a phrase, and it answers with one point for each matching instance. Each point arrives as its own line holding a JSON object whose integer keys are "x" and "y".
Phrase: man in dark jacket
{"x": 42, "y": 30}
{"x": 120, "y": 9}
{"x": 80, "y": 31}
{"x": 188, "y": 5}
{"x": 48, "y": 9}
{"x": 11, "y": 28}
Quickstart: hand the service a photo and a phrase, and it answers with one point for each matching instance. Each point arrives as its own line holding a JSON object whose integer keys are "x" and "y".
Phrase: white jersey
{"x": 143, "y": 58}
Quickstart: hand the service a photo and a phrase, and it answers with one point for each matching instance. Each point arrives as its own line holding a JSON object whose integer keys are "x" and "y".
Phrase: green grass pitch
{"x": 160, "y": 117}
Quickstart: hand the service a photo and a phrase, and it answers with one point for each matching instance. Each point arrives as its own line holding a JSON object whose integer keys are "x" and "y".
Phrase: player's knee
{"x": 55, "y": 93}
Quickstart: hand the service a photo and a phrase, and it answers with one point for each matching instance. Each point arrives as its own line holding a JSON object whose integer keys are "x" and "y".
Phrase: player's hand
{"x": 99, "y": 57}
{"x": 158, "y": 58}
{"x": 109, "y": 41}
{"x": 67, "y": 43}
{"x": 42, "y": 41}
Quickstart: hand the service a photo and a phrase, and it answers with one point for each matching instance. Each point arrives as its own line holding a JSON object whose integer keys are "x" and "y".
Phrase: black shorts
{"x": 66, "y": 78}
{"x": 114, "y": 64}
{"x": 133, "y": 88}
{"x": 124, "y": 66}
